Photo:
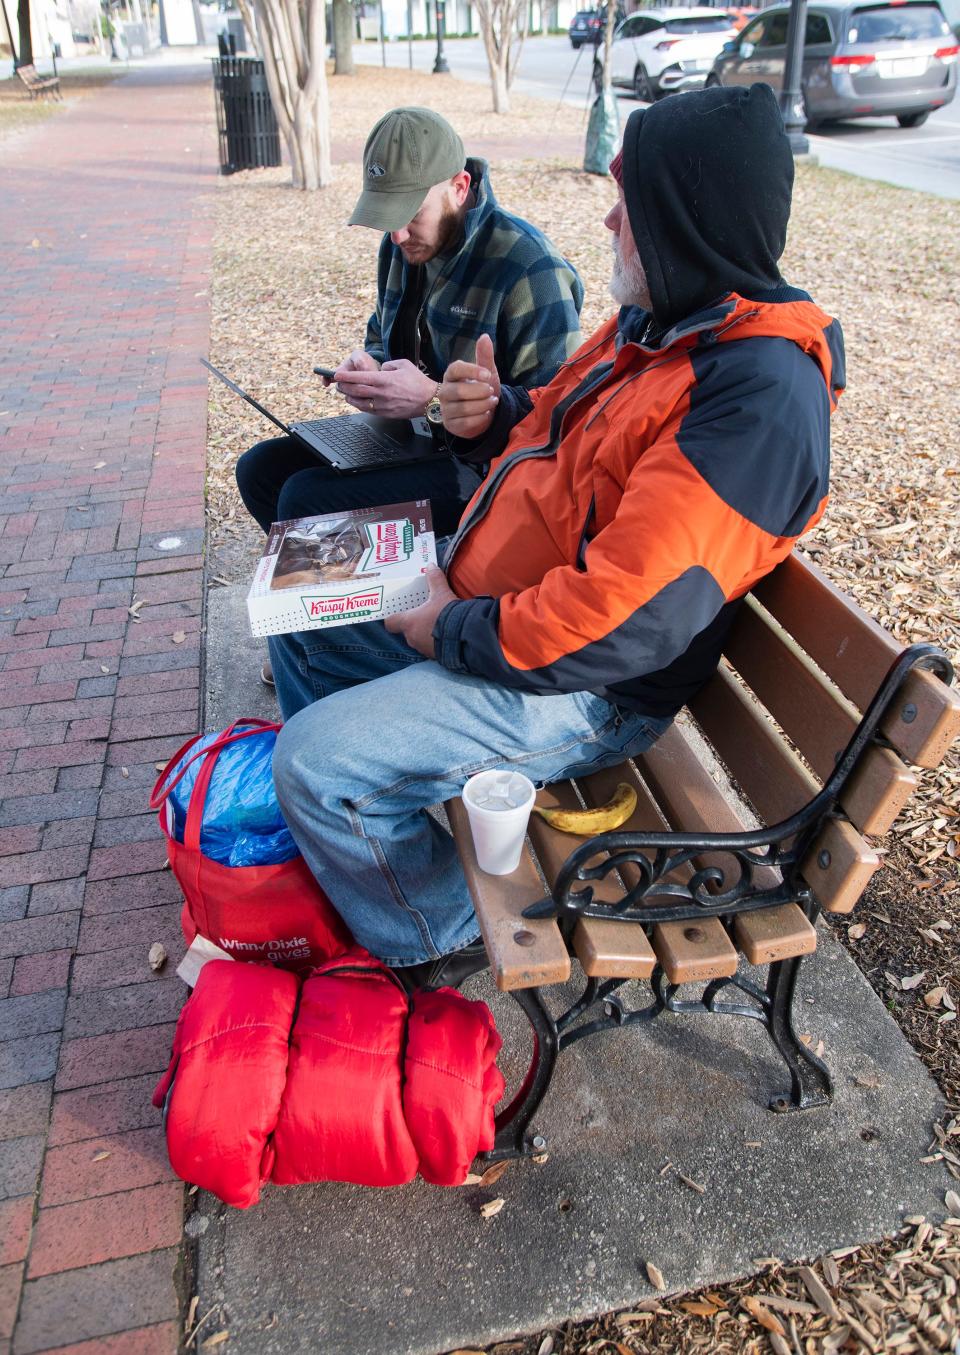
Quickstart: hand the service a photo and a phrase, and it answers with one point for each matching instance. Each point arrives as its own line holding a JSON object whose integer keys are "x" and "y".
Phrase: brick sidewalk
{"x": 105, "y": 224}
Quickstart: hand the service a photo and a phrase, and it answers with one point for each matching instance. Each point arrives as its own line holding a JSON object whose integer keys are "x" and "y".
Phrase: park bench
{"x": 39, "y": 85}
{"x": 754, "y": 813}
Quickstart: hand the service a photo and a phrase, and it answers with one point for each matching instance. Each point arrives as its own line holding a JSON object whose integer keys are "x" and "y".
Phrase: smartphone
{"x": 328, "y": 372}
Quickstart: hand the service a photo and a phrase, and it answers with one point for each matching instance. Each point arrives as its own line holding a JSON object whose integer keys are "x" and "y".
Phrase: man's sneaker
{"x": 447, "y": 971}
{"x": 266, "y": 676}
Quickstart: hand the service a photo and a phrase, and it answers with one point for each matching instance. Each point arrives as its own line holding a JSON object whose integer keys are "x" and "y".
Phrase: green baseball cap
{"x": 408, "y": 151}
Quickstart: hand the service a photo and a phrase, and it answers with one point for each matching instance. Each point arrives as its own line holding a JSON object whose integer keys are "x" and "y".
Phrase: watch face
{"x": 434, "y": 412}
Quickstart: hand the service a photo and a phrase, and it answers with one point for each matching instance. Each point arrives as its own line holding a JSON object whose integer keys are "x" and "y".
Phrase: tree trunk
{"x": 248, "y": 22}
{"x": 501, "y": 92}
{"x": 343, "y": 36}
{"x": 293, "y": 39}
{"x": 25, "y": 56}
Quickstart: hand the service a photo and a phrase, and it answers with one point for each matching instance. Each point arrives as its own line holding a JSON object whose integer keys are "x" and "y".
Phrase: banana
{"x": 589, "y": 822}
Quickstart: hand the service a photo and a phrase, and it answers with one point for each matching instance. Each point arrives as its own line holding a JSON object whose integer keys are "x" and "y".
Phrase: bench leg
{"x": 810, "y": 1083}
{"x": 511, "y": 1124}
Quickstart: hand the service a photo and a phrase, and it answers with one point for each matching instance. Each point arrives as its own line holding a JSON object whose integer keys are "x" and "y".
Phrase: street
{"x": 926, "y": 158}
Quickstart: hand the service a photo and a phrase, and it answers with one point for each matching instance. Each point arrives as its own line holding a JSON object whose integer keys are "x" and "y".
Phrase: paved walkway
{"x": 105, "y": 230}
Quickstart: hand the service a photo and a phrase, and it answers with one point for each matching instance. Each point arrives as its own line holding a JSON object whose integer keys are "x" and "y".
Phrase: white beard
{"x": 628, "y": 285}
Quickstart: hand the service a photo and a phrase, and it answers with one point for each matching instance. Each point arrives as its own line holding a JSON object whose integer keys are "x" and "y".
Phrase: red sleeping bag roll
{"x": 342, "y": 1113}
{"x": 451, "y": 1083}
{"x": 226, "y": 1078}
{"x": 354, "y": 1082}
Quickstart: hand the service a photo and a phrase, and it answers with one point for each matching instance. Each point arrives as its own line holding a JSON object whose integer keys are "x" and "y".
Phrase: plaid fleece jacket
{"x": 505, "y": 280}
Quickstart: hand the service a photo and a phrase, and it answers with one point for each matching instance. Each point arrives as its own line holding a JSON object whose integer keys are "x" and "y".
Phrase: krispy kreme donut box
{"x": 340, "y": 568}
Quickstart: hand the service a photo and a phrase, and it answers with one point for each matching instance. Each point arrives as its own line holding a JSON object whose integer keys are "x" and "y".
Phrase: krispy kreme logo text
{"x": 389, "y": 543}
{"x": 344, "y": 604}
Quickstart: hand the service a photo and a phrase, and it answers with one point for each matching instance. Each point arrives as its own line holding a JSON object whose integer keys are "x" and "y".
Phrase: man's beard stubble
{"x": 628, "y": 283}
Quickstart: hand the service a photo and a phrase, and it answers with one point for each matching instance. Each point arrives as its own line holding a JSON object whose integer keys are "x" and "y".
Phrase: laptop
{"x": 353, "y": 442}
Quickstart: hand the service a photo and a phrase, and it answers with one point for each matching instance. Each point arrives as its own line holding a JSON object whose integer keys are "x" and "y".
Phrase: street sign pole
{"x": 791, "y": 96}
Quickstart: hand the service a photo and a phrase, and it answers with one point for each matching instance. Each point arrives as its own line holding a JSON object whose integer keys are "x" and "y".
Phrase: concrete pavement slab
{"x": 417, "y": 1270}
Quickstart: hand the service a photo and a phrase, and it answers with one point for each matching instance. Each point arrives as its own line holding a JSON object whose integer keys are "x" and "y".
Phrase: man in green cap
{"x": 453, "y": 265}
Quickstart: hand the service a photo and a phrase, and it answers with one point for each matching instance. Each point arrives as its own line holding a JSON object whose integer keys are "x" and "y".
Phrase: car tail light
{"x": 853, "y": 63}
{"x": 666, "y": 44}
{"x": 947, "y": 54}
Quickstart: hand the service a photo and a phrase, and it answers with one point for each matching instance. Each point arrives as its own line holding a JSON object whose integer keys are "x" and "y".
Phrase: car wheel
{"x": 642, "y": 88}
{"x": 912, "y": 119}
{"x": 575, "y": 45}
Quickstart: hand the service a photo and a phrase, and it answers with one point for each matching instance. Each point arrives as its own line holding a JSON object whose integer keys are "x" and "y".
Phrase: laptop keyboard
{"x": 354, "y": 443}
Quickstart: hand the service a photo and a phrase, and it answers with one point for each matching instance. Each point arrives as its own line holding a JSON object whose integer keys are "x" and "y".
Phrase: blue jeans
{"x": 375, "y": 734}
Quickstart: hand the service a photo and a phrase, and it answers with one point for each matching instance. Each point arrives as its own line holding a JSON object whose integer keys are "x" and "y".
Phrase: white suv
{"x": 656, "y": 51}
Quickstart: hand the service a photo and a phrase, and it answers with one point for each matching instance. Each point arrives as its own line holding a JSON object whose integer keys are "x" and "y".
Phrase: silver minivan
{"x": 859, "y": 60}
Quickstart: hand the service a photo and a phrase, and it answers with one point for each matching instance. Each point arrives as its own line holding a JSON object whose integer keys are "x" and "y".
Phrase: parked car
{"x": 657, "y": 51}
{"x": 859, "y": 60}
{"x": 587, "y": 25}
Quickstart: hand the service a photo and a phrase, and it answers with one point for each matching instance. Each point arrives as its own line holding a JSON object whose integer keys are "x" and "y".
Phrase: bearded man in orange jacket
{"x": 629, "y": 507}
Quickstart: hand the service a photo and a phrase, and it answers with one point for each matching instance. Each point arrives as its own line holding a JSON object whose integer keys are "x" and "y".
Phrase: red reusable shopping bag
{"x": 276, "y": 913}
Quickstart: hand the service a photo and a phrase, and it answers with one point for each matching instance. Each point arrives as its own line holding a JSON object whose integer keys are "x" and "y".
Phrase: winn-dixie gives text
{"x": 340, "y": 568}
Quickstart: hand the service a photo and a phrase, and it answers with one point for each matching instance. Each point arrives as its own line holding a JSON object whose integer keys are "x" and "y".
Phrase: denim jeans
{"x": 375, "y": 734}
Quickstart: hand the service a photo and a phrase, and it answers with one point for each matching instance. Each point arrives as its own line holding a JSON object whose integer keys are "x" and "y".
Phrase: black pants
{"x": 279, "y": 479}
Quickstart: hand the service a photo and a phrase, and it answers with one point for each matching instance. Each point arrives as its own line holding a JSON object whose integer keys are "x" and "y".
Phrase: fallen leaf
{"x": 699, "y": 1309}
{"x": 178, "y": 637}
{"x": 869, "y": 1081}
{"x": 952, "y": 1201}
{"x": 99, "y": 465}
{"x": 858, "y": 930}
{"x": 913, "y": 980}
{"x": 493, "y": 1174}
{"x": 99, "y": 1157}
{"x": 946, "y": 1016}
{"x": 191, "y": 1312}
{"x": 540, "y": 1158}
{"x": 934, "y": 997}
{"x": 159, "y": 766}
{"x": 817, "y": 1292}
{"x": 655, "y": 1276}
{"x": 693, "y": 1185}
{"x": 472, "y": 1179}
{"x": 217, "y": 1339}
{"x": 492, "y": 1207}
{"x": 157, "y": 956}
{"x": 763, "y": 1315}
{"x": 546, "y": 1346}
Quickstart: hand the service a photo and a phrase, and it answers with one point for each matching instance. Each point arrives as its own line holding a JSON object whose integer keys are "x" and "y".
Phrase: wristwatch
{"x": 434, "y": 417}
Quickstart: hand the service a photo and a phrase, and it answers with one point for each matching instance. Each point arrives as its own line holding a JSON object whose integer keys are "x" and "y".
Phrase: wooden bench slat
{"x": 773, "y": 777}
{"x": 691, "y": 799}
{"x": 613, "y": 949}
{"x": 926, "y": 738}
{"x": 772, "y": 934}
{"x": 877, "y": 791}
{"x": 499, "y": 901}
{"x": 841, "y": 639}
{"x": 692, "y": 952}
{"x": 607, "y": 949}
{"x": 817, "y": 718}
{"x": 856, "y": 654}
{"x": 842, "y": 879}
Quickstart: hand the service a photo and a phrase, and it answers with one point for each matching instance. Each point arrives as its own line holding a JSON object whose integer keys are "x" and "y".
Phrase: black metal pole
{"x": 440, "y": 66}
{"x": 791, "y": 96}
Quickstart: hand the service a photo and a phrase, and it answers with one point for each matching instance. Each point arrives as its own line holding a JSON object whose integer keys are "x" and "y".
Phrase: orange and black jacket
{"x": 647, "y": 489}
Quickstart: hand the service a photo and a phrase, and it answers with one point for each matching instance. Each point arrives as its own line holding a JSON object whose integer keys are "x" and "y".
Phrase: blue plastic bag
{"x": 242, "y": 824}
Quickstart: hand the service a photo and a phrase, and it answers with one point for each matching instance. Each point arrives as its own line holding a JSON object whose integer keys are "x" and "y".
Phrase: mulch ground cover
{"x": 293, "y": 287}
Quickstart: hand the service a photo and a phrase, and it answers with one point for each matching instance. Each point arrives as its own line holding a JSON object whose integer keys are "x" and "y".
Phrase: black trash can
{"x": 249, "y": 136}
